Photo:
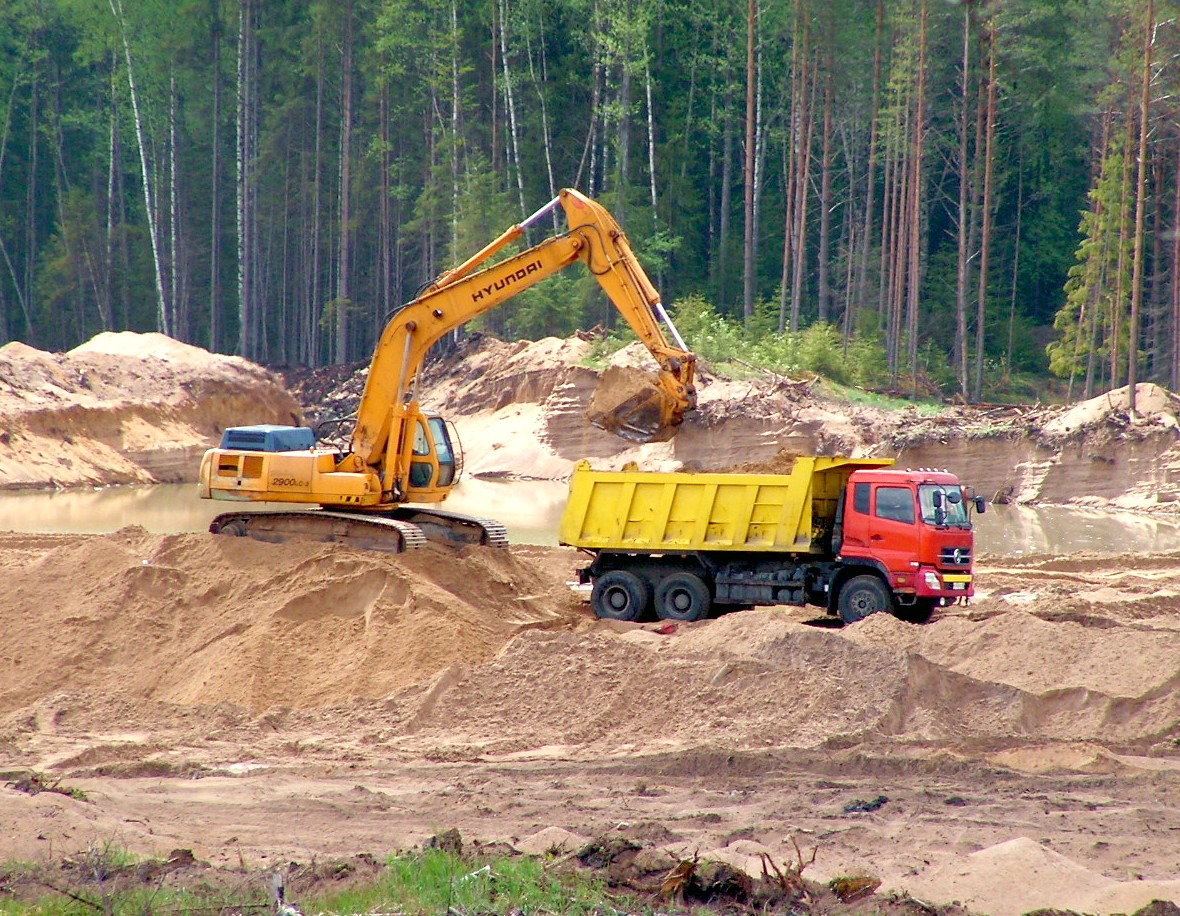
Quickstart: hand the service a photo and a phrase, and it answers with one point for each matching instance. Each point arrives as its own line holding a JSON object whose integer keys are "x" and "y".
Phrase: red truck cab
{"x": 913, "y": 527}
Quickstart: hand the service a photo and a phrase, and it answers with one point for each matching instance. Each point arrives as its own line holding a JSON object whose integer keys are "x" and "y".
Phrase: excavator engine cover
{"x": 266, "y": 437}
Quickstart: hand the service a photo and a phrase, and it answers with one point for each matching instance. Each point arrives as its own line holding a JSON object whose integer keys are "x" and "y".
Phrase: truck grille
{"x": 954, "y": 556}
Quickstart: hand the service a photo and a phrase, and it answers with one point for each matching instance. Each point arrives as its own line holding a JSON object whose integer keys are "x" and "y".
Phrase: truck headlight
{"x": 932, "y": 580}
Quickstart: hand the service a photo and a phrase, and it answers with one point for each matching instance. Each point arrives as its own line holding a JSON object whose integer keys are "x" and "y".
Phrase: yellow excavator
{"x": 368, "y": 492}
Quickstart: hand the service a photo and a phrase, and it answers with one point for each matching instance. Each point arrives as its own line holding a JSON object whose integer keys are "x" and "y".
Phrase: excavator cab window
{"x": 421, "y": 472}
{"x": 443, "y": 451}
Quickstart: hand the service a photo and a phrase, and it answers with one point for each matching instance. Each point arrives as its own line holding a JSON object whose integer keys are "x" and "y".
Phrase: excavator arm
{"x": 381, "y": 437}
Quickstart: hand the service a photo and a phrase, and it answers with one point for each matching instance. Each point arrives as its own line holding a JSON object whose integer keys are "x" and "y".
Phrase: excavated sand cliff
{"x": 124, "y": 408}
{"x": 140, "y": 408}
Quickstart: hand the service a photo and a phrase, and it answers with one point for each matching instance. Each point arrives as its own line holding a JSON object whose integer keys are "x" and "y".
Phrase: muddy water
{"x": 531, "y": 510}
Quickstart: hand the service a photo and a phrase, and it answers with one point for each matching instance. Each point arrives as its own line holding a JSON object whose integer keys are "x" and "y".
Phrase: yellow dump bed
{"x": 641, "y": 511}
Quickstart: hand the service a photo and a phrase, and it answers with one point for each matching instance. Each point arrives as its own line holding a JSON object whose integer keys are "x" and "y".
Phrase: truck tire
{"x": 861, "y": 596}
{"x": 919, "y": 612}
{"x": 682, "y": 596}
{"x": 620, "y": 595}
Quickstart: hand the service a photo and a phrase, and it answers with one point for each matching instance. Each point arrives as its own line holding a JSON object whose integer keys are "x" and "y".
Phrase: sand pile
{"x": 488, "y": 652}
{"x": 124, "y": 408}
{"x": 764, "y": 679}
{"x": 198, "y": 619}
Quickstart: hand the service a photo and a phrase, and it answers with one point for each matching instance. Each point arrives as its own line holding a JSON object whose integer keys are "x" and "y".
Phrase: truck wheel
{"x": 861, "y": 596}
{"x": 234, "y": 528}
{"x": 620, "y": 595}
{"x": 919, "y": 612}
{"x": 682, "y": 596}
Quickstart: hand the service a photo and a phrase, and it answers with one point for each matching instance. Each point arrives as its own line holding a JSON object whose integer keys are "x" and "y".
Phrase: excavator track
{"x": 364, "y": 531}
{"x": 405, "y": 529}
{"x": 454, "y": 527}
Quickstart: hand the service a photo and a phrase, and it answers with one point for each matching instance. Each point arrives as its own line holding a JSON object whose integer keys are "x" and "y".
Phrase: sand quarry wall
{"x": 124, "y": 408}
{"x": 140, "y": 408}
{"x": 520, "y": 408}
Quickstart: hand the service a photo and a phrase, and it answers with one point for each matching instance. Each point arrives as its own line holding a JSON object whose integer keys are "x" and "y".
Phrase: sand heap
{"x": 124, "y": 408}
{"x": 487, "y": 652}
{"x": 197, "y": 619}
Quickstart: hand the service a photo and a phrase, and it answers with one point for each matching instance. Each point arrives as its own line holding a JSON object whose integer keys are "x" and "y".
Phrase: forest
{"x": 976, "y": 198}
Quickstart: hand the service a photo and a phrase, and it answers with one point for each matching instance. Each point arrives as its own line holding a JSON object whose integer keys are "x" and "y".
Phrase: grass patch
{"x": 881, "y": 400}
{"x": 107, "y": 879}
{"x": 436, "y": 881}
{"x": 33, "y": 783}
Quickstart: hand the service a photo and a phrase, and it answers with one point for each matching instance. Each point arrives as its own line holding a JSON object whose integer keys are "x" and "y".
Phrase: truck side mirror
{"x": 939, "y": 499}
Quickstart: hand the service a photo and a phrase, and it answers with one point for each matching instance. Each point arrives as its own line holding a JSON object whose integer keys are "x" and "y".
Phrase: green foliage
{"x": 463, "y": 116}
{"x": 415, "y": 884}
{"x": 819, "y": 348}
{"x": 437, "y": 882}
{"x": 1098, "y": 288}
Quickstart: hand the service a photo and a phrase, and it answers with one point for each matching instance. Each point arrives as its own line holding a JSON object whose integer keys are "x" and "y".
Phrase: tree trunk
{"x": 989, "y": 161}
{"x": 960, "y": 347}
{"x": 1175, "y": 373}
{"x": 790, "y": 146}
{"x": 215, "y": 185}
{"x": 651, "y": 137}
{"x": 823, "y": 279}
{"x": 510, "y": 107}
{"x": 315, "y": 295}
{"x": 724, "y": 205}
{"x": 178, "y": 319}
{"x": 162, "y": 311}
{"x": 871, "y": 169}
{"x": 1140, "y": 209}
{"x": 1117, "y": 307}
{"x": 751, "y": 132}
{"x": 540, "y": 82}
{"x": 802, "y": 179}
{"x": 344, "y": 270}
{"x": 1016, "y": 255}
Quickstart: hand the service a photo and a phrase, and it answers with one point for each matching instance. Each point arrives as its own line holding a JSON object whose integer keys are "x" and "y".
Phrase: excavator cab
{"x": 433, "y": 467}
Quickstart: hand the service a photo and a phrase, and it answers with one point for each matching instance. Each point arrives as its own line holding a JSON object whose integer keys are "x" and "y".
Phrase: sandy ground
{"x": 261, "y": 704}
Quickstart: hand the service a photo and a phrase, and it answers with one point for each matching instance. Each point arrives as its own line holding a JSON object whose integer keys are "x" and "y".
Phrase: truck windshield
{"x": 954, "y": 507}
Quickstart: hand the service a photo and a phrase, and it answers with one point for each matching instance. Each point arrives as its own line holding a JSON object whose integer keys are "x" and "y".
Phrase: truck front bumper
{"x": 928, "y": 582}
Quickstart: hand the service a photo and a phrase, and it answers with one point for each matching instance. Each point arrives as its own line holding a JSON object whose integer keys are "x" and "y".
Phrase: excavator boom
{"x": 462, "y": 294}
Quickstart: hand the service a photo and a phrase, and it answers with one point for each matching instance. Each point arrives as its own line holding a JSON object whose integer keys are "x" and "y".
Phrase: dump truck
{"x": 853, "y": 536}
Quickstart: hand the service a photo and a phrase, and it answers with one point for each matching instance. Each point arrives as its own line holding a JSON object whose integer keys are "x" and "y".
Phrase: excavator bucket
{"x": 629, "y": 403}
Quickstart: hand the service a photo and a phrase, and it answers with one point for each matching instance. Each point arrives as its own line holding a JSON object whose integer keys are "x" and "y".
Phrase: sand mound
{"x": 1153, "y": 404}
{"x": 764, "y": 680}
{"x": 199, "y": 619}
{"x": 124, "y": 408}
{"x": 1020, "y": 875}
{"x": 151, "y": 345}
{"x": 487, "y": 652}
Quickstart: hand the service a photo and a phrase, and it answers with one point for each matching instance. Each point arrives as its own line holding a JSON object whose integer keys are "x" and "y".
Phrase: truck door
{"x": 893, "y": 527}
